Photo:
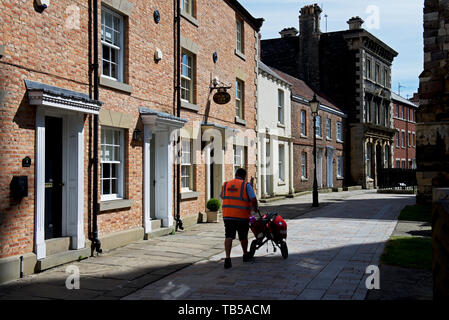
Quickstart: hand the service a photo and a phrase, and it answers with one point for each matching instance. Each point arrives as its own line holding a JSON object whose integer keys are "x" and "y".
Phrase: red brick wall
{"x": 216, "y": 33}
{"x": 400, "y": 123}
{"x": 305, "y": 144}
{"x": 41, "y": 47}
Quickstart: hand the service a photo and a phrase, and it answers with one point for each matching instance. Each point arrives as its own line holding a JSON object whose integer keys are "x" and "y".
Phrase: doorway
{"x": 319, "y": 167}
{"x": 330, "y": 168}
{"x": 53, "y": 177}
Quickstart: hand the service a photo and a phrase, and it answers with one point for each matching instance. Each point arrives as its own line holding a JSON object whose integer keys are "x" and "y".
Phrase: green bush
{"x": 213, "y": 204}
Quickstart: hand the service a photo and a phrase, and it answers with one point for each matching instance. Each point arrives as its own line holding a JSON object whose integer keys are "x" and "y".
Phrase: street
{"x": 329, "y": 250}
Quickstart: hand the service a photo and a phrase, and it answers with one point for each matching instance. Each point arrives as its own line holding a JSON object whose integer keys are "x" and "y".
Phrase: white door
{"x": 319, "y": 167}
{"x": 330, "y": 168}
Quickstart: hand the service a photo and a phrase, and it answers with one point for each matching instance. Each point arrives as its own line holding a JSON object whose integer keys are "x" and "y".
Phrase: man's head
{"x": 240, "y": 173}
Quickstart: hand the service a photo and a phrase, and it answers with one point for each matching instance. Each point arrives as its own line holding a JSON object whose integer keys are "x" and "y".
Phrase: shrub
{"x": 213, "y": 204}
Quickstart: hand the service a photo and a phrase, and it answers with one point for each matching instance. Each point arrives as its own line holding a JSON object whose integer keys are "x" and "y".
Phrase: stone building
{"x": 432, "y": 140}
{"x": 330, "y": 132}
{"x": 274, "y": 134}
{"x": 404, "y": 121}
{"x": 47, "y": 121}
{"x": 353, "y": 68}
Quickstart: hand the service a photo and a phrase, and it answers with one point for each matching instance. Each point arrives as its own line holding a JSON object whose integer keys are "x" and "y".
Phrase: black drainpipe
{"x": 96, "y": 244}
{"x": 178, "y": 112}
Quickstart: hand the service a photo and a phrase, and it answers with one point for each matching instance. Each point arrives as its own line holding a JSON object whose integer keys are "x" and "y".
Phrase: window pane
{"x": 106, "y": 186}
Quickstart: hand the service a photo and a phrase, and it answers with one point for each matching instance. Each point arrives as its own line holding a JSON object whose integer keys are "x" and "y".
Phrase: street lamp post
{"x": 314, "y": 103}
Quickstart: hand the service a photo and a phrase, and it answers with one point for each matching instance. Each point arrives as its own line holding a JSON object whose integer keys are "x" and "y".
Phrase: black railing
{"x": 393, "y": 178}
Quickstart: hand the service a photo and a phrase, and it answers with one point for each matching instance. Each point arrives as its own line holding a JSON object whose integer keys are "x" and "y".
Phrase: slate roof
{"x": 400, "y": 99}
{"x": 59, "y": 92}
{"x": 146, "y": 111}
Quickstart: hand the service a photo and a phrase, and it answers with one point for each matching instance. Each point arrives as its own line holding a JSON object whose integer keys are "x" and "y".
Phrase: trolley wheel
{"x": 252, "y": 248}
{"x": 284, "y": 250}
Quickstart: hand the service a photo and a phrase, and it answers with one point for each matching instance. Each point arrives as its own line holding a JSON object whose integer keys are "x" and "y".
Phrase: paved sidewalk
{"x": 193, "y": 255}
{"x": 329, "y": 251}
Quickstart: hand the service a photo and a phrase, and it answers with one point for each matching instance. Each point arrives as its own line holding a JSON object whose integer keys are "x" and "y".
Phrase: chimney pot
{"x": 355, "y": 23}
{"x": 289, "y": 32}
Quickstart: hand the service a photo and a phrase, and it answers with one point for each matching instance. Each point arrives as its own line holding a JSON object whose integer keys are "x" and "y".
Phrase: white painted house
{"x": 275, "y": 144}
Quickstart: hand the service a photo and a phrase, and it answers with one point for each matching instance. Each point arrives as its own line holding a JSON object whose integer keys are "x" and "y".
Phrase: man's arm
{"x": 253, "y": 198}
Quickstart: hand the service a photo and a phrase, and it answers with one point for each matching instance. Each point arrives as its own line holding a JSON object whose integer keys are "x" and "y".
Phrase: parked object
{"x": 213, "y": 205}
{"x": 269, "y": 227}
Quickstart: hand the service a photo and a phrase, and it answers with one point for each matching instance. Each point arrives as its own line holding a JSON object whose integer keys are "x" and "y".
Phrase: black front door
{"x": 53, "y": 177}
{"x": 211, "y": 181}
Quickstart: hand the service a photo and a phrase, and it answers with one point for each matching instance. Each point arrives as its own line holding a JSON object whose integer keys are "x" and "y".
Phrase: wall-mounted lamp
{"x": 137, "y": 135}
{"x": 42, "y": 4}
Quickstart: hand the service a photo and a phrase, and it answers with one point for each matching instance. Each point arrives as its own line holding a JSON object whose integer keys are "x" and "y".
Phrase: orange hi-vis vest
{"x": 236, "y": 203}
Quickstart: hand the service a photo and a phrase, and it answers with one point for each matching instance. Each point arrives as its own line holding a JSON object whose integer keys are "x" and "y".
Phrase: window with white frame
{"x": 403, "y": 139}
{"x": 303, "y": 122}
{"x": 186, "y": 166}
{"x": 281, "y": 163}
{"x": 328, "y": 128}
{"x": 398, "y": 163}
{"x": 340, "y": 167}
{"x": 239, "y": 91}
{"x": 187, "y": 76}
{"x": 281, "y": 106}
{"x": 387, "y": 157}
{"x": 112, "y": 163}
{"x": 112, "y": 44}
{"x": 239, "y": 157}
{"x": 318, "y": 126}
{"x": 187, "y": 6}
{"x": 413, "y": 140}
{"x": 339, "y": 131}
{"x": 239, "y": 35}
{"x": 304, "y": 165}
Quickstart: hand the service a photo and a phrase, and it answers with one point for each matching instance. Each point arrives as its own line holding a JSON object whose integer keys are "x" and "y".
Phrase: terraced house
{"x": 92, "y": 153}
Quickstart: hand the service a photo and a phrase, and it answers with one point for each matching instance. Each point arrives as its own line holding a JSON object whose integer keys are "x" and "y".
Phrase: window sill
{"x": 187, "y": 195}
{"x": 304, "y": 179}
{"x": 339, "y": 141}
{"x": 105, "y": 82}
{"x": 328, "y": 139}
{"x": 281, "y": 125}
{"x": 190, "y": 106}
{"x": 107, "y": 205}
{"x": 281, "y": 183}
{"x": 340, "y": 178}
{"x": 190, "y": 18}
{"x": 319, "y": 138}
{"x": 240, "y": 121}
{"x": 240, "y": 55}
{"x": 303, "y": 136}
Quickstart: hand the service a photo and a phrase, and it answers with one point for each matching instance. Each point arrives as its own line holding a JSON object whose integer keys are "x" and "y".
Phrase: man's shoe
{"x": 247, "y": 257}
{"x": 227, "y": 263}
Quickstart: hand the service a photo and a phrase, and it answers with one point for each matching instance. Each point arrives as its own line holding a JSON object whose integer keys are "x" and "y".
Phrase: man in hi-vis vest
{"x": 238, "y": 200}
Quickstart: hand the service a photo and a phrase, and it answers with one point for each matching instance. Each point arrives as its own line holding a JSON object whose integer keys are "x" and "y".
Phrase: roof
{"x": 267, "y": 69}
{"x": 59, "y": 92}
{"x": 256, "y": 23}
{"x": 300, "y": 88}
{"x": 402, "y": 100}
{"x": 281, "y": 53}
{"x": 146, "y": 111}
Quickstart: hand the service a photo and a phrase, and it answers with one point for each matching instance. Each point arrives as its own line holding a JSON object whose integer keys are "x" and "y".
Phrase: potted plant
{"x": 213, "y": 205}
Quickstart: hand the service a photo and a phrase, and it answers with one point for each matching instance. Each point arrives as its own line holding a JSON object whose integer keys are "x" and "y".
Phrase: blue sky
{"x": 400, "y": 25}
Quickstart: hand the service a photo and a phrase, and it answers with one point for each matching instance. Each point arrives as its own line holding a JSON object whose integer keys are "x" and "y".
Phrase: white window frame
{"x": 190, "y": 8}
{"x": 184, "y": 150}
{"x": 281, "y": 150}
{"x": 239, "y": 157}
{"x": 318, "y": 127}
{"x": 281, "y": 106}
{"x": 398, "y": 139}
{"x": 304, "y": 165}
{"x": 403, "y": 138}
{"x": 190, "y": 80}
{"x": 239, "y": 97}
{"x": 121, "y": 164}
{"x": 121, "y": 48}
{"x": 328, "y": 128}
{"x": 303, "y": 122}
{"x": 339, "y": 131}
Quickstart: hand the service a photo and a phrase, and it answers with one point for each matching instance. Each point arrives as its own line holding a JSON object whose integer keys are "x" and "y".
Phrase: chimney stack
{"x": 289, "y": 32}
{"x": 355, "y": 23}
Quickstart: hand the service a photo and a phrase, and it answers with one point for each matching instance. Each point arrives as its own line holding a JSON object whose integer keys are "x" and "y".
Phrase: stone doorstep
{"x": 159, "y": 233}
{"x": 57, "y": 245}
{"x": 62, "y": 258}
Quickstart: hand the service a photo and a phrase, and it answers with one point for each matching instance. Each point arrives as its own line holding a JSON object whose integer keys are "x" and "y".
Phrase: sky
{"x": 398, "y": 23}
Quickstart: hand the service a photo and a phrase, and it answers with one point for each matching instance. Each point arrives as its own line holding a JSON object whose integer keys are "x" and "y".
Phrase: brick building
{"x": 330, "y": 132}
{"x": 404, "y": 121}
{"x": 353, "y": 68}
{"x": 48, "y": 111}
